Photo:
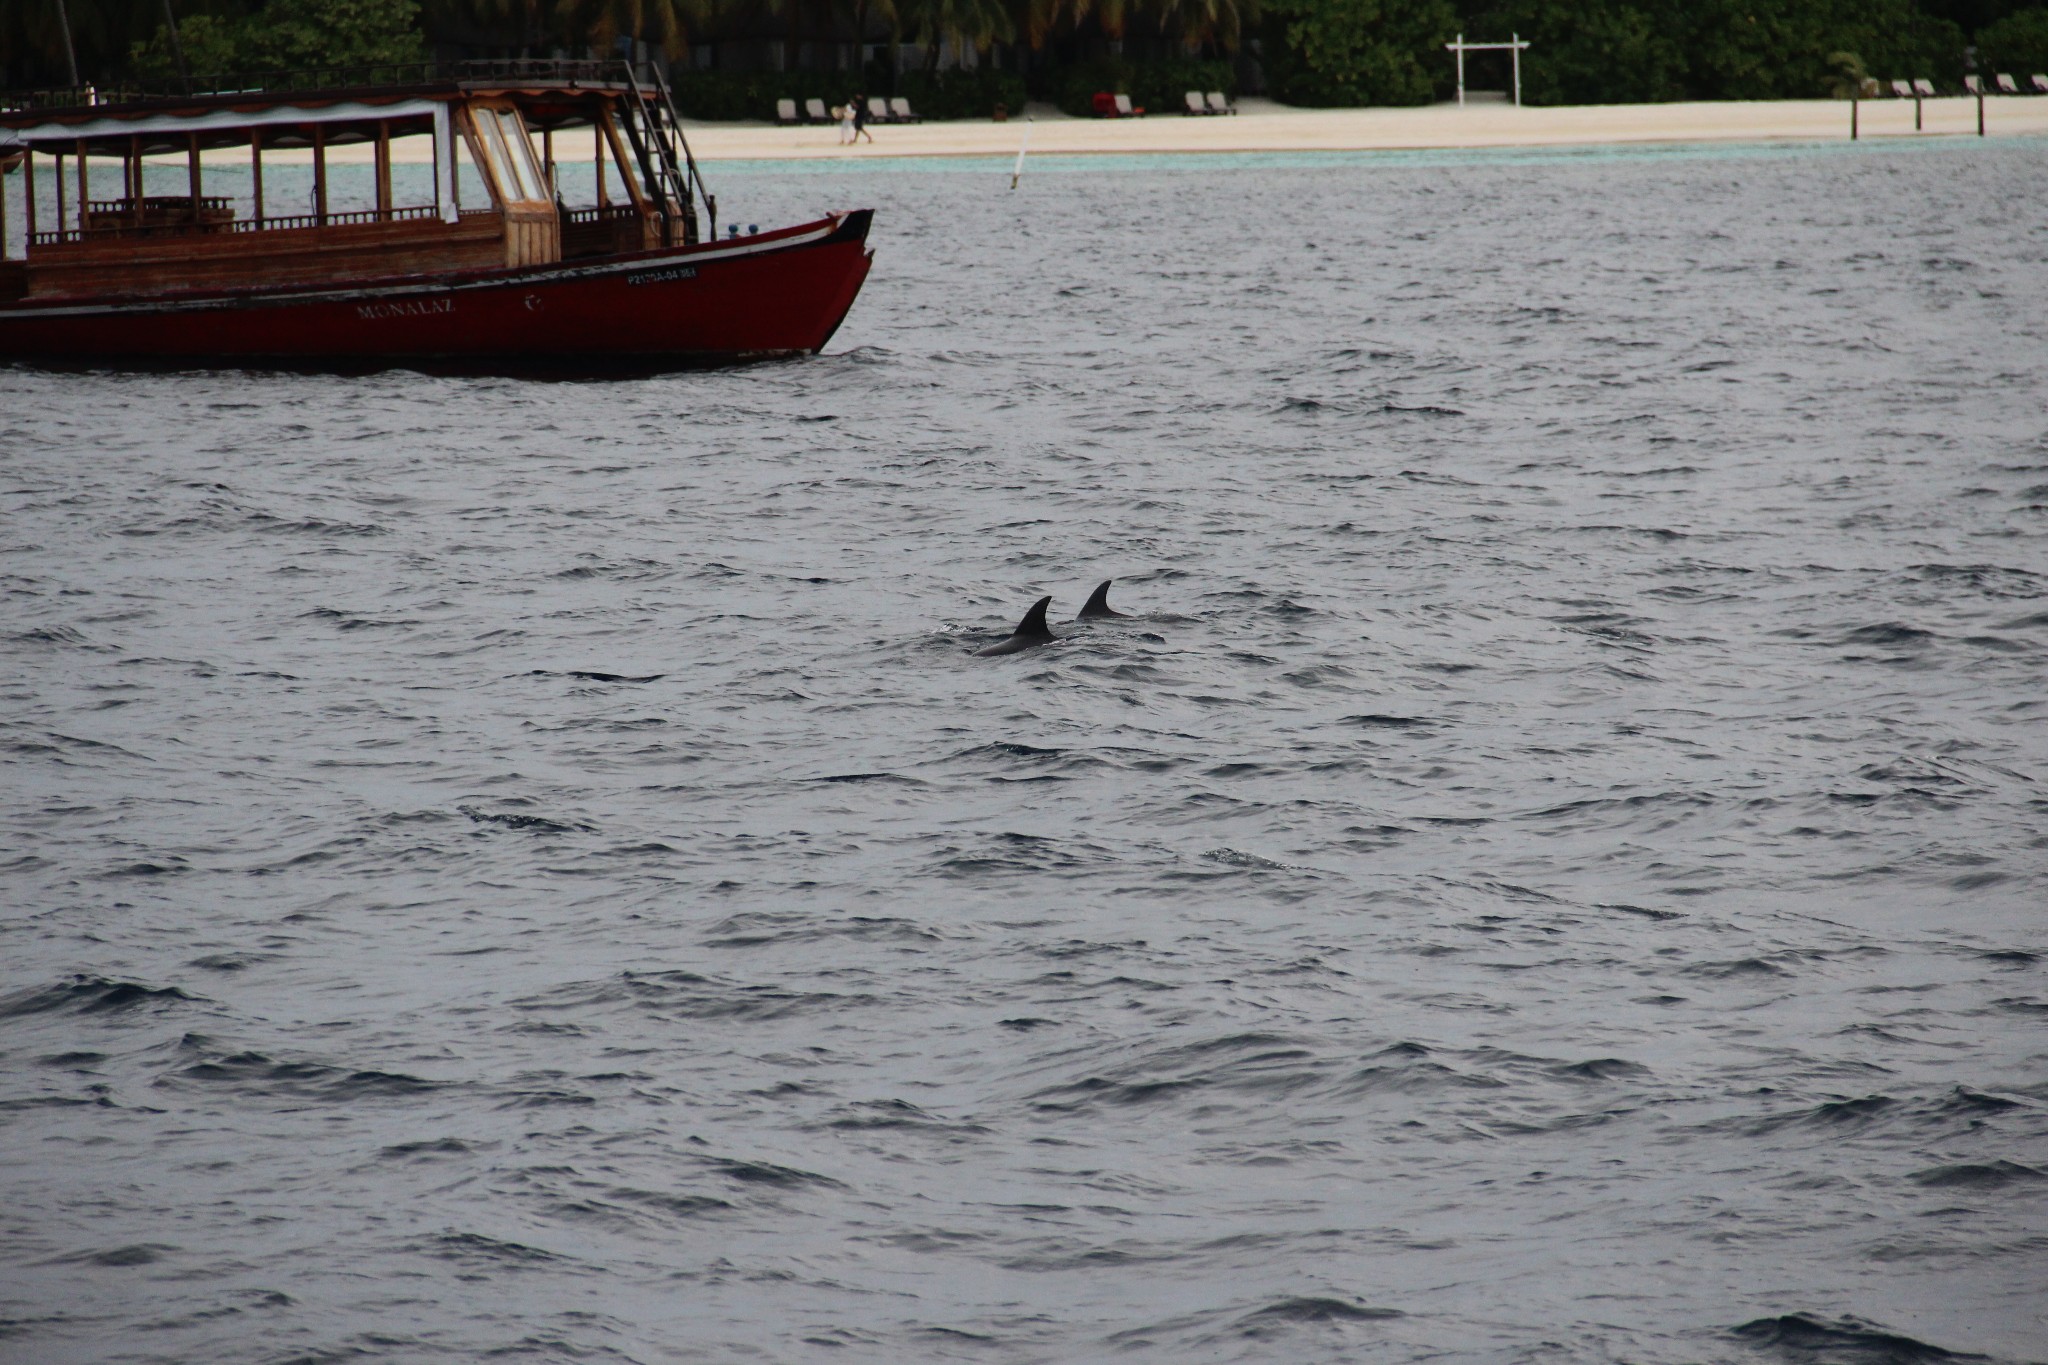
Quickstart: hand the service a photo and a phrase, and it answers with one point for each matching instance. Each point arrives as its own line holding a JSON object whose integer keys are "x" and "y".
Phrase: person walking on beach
{"x": 845, "y": 113}
{"x": 860, "y": 119}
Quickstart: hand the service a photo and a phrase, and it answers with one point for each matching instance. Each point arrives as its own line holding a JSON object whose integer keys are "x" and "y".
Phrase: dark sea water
{"x": 1552, "y": 870}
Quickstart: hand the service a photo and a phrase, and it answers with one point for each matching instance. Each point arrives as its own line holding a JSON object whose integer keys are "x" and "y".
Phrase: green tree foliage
{"x": 2016, "y": 44}
{"x": 1623, "y": 51}
{"x": 288, "y": 35}
{"x": 1596, "y": 52}
{"x": 1318, "y": 52}
{"x": 1342, "y": 52}
{"x": 1780, "y": 49}
{"x": 752, "y": 94}
{"x": 1159, "y": 87}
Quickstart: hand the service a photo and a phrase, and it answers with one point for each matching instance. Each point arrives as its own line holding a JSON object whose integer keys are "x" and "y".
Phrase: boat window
{"x": 515, "y": 152}
{"x": 492, "y": 143}
{"x": 470, "y": 186}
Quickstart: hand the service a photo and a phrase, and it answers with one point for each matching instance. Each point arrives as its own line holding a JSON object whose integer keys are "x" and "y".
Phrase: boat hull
{"x": 774, "y": 294}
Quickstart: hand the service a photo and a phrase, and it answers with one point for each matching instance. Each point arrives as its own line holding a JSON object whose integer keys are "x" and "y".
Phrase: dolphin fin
{"x": 1032, "y": 630}
{"x": 1097, "y": 606}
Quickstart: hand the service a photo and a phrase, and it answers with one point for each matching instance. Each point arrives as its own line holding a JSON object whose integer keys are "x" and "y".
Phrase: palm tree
{"x": 1206, "y": 21}
{"x": 90, "y": 37}
{"x": 965, "y": 22}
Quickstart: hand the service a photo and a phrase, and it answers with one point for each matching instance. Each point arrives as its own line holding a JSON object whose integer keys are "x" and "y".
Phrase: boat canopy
{"x": 487, "y": 111}
{"x": 223, "y": 127}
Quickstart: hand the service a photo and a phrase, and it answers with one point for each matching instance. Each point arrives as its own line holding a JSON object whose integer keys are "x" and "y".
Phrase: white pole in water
{"x": 1461, "y": 71}
{"x": 1022, "y": 148}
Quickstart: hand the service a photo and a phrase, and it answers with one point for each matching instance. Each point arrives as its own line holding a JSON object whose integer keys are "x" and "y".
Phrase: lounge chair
{"x": 878, "y": 110}
{"x": 1923, "y": 87}
{"x": 1219, "y": 104}
{"x": 1195, "y": 105}
{"x": 1903, "y": 89}
{"x": 1102, "y": 104}
{"x": 815, "y": 112}
{"x": 1973, "y": 85}
{"x": 2006, "y": 85}
{"x": 785, "y": 112}
{"x": 2040, "y": 84}
{"x": 1124, "y": 109}
{"x": 899, "y": 110}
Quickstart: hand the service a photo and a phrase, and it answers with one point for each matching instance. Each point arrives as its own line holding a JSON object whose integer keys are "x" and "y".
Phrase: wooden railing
{"x": 600, "y": 213}
{"x": 160, "y": 227}
{"x": 158, "y": 204}
{"x": 311, "y": 220}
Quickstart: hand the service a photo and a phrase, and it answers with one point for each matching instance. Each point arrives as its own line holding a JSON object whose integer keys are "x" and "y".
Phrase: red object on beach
{"x": 514, "y": 279}
{"x": 776, "y": 293}
{"x": 1104, "y": 104}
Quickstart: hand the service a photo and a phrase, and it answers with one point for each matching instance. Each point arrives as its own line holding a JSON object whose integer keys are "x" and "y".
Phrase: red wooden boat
{"x": 633, "y": 281}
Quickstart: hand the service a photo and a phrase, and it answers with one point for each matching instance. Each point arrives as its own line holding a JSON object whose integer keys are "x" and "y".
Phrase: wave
{"x": 92, "y": 995}
{"x": 1814, "y": 1340}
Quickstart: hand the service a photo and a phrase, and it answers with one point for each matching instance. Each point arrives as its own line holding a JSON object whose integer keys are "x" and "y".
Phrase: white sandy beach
{"x": 1264, "y": 126}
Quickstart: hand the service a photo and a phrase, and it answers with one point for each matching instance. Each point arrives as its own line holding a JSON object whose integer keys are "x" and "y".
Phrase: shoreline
{"x": 1263, "y": 126}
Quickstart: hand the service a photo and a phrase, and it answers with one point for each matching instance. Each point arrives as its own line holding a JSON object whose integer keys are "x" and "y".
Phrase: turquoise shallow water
{"x": 1210, "y": 163}
{"x": 1551, "y": 868}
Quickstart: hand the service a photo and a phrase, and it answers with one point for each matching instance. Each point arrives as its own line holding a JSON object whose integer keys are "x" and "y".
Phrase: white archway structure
{"x": 1461, "y": 47}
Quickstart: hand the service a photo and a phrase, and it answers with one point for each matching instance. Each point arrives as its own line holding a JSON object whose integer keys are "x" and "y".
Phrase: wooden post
{"x": 1461, "y": 70}
{"x": 1516, "y": 52}
{"x": 1916, "y": 113}
{"x": 256, "y": 174}
{"x": 3, "y": 213}
{"x": 547, "y": 161}
{"x": 1980, "y": 113}
{"x": 320, "y": 174}
{"x": 84, "y": 189}
{"x": 28, "y": 202}
{"x": 444, "y": 164}
{"x": 57, "y": 159}
{"x": 1853, "y": 104}
{"x": 604, "y": 194}
{"x": 135, "y": 181}
{"x": 196, "y": 185}
{"x": 383, "y": 168}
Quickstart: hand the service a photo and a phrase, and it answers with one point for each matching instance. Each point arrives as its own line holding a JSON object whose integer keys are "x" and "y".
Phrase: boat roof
{"x": 348, "y": 103}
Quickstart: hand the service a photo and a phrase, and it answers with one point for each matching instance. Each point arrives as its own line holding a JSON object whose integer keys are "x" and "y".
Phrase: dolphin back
{"x": 1031, "y": 632}
{"x": 1097, "y": 607}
